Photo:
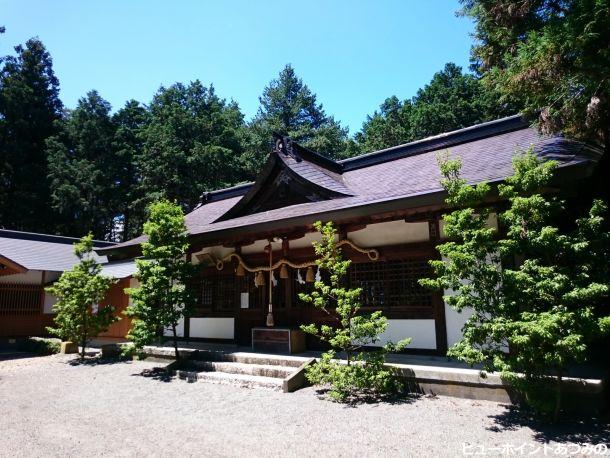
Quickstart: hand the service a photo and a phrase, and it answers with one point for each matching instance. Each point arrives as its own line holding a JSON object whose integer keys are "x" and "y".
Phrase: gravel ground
{"x": 50, "y": 407}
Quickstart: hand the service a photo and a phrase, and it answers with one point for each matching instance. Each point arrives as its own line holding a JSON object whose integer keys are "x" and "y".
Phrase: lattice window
{"x": 392, "y": 284}
{"x": 222, "y": 291}
{"x": 18, "y": 299}
{"x": 206, "y": 295}
{"x": 225, "y": 292}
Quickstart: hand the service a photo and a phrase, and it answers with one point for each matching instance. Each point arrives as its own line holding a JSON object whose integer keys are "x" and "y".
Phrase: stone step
{"x": 264, "y": 370}
{"x": 243, "y": 380}
{"x": 262, "y": 359}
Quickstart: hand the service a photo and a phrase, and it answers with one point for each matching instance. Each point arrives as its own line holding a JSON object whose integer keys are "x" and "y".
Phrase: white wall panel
{"x": 49, "y": 302}
{"x": 421, "y": 332}
{"x": 212, "y": 328}
{"x": 390, "y": 233}
{"x": 179, "y": 330}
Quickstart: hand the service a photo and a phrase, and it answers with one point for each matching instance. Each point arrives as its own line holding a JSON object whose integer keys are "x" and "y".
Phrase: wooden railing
{"x": 17, "y": 299}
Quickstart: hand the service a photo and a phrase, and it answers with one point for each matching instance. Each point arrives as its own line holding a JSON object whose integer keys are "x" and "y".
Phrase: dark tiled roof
{"x": 397, "y": 174}
{"x": 42, "y": 251}
{"x": 120, "y": 269}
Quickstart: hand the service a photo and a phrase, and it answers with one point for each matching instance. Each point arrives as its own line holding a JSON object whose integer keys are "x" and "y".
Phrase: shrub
{"x": 365, "y": 370}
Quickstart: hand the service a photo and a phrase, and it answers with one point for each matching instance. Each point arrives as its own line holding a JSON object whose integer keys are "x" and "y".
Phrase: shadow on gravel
{"x": 591, "y": 430}
{"x": 159, "y": 374}
{"x": 5, "y": 356}
{"x": 95, "y": 361}
{"x": 371, "y": 398}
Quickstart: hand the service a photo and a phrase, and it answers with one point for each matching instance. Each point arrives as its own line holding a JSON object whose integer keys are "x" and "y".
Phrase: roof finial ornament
{"x": 283, "y": 145}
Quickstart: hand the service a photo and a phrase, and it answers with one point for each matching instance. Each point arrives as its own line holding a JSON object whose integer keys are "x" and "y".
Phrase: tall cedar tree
{"x": 192, "y": 144}
{"x": 83, "y": 169}
{"x": 452, "y": 100}
{"x": 288, "y": 107}
{"x": 130, "y": 122}
{"x": 350, "y": 330}
{"x": 536, "y": 290}
{"x": 29, "y": 109}
{"x": 79, "y": 292}
{"x": 553, "y": 56}
{"x": 162, "y": 298}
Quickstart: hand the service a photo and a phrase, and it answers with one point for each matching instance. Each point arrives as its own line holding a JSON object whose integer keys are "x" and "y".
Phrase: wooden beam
{"x": 18, "y": 268}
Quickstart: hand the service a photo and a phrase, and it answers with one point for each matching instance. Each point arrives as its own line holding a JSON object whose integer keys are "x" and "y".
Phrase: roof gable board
{"x": 292, "y": 175}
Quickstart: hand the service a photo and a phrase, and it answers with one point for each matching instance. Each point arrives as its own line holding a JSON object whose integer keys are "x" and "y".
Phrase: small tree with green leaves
{"x": 538, "y": 294}
{"x": 79, "y": 292}
{"x": 162, "y": 299}
{"x": 365, "y": 371}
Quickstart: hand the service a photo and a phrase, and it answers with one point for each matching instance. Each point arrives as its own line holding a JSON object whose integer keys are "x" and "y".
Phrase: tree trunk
{"x": 175, "y": 341}
{"x": 83, "y": 344}
{"x": 84, "y": 336}
{"x": 558, "y": 394}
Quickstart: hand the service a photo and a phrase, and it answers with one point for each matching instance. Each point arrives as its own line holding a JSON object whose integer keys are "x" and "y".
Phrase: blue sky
{"x": 352, "y": 54}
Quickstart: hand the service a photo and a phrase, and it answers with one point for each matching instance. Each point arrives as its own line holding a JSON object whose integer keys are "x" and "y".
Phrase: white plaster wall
{"x": 49, "y": 302}
{"x": 305, "y": 241}
{"x": 455, "y": 322}
{"x": 212, "y": 328}
{"x": 179, "y": 330}
{"x": 421, "y": 332}
{"x": 133, "y": 283}
{"x": 390, "y": 233}
{"x": 492, "y": 221}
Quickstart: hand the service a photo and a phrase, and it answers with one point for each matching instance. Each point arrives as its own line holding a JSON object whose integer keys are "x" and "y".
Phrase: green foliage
{"x": 536, "y": 289}
{"x": 40, "y": 345}
{"x": 450, "y": 101}
{"x": 549, "y": 55}
{"x": 79, "y": 292}
{"x": 191, "y": 145}
{"x": 162, "y": 298}
{"x": 83, "y": 169}
{"x": 288, "y": 107}
{"x": 130, "y": 122}
{"x": 29, "y": 108}
{"x": 364, "y": 371}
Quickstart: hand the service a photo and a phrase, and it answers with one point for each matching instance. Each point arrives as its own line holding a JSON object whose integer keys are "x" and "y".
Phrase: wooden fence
{"x": 16, "y": 299}
{"x": 21, "y": 310}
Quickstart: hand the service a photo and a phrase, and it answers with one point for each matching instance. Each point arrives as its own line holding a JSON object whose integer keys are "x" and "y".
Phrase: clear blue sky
{"x": 351, "y": 53}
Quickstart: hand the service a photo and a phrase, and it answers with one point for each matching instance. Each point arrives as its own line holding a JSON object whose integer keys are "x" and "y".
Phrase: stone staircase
{"x": 276, "y": 372}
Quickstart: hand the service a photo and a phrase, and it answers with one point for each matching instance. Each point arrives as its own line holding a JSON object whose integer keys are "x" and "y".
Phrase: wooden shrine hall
{"x": 253, "y": 241}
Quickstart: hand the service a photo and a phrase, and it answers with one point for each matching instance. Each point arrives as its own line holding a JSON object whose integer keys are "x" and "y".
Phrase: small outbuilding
{"x": 28, "y": 263}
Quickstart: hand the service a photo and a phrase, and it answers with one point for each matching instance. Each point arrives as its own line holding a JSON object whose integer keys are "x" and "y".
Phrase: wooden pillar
{"x": 186, "y": 333}
{"x": 40, "y": 326}
{"x": 440, "y": 324}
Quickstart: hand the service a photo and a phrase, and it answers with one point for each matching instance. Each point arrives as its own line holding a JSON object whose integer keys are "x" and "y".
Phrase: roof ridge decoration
{"x": 283, "y": 145}
{"x": 292, "y": 175}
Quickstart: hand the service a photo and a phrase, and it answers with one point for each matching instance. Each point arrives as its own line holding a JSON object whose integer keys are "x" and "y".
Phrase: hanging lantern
{"x": 309, "y": 277}
{"x": 240, "y": 272}
{"x": 284, "y": 271}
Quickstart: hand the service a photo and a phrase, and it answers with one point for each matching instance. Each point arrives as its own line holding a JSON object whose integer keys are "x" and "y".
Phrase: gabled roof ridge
{"x": 324, "y": 162}
{"x": 443, "y": 140}
{"x": 39, "y": 237}
{"x": 224, "y": 193}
